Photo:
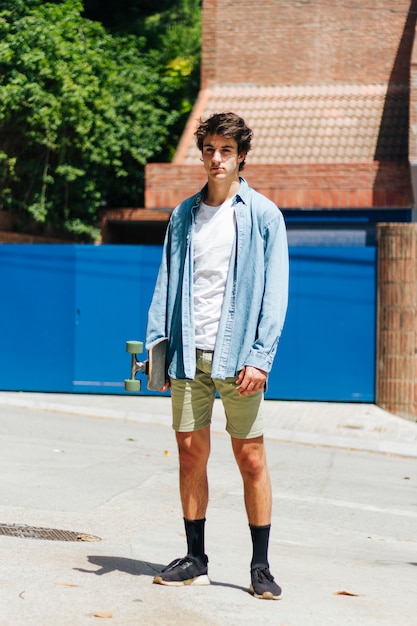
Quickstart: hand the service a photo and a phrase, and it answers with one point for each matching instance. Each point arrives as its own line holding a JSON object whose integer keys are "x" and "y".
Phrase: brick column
{"x": 396, "y": 372}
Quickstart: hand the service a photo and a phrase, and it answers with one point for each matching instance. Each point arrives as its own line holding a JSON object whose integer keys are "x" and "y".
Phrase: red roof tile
{"x": 331, "y": 123}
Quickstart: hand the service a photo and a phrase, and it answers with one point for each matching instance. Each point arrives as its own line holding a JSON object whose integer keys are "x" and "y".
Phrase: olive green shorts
{"x": 192, "y": 402}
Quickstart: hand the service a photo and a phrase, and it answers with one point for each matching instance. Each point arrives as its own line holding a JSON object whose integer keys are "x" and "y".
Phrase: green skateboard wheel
{"x": 134, "y": 347}
{"x": 131, "y": 384}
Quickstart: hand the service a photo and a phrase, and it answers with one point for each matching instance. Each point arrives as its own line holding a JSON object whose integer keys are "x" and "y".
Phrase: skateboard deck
{"x": 157, "y": 374}
{"x": 154, "y": 367}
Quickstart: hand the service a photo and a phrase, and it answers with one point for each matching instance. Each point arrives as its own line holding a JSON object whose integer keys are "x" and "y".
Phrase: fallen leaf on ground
{"x": 345, "y": 593}
{"x": 64, "y": 584}
{"x": 105, "y": 614}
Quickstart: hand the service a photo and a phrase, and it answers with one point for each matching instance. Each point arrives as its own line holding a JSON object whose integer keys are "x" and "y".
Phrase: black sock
{"x": 194, "y": 530}
{"x": 260, "y": 541}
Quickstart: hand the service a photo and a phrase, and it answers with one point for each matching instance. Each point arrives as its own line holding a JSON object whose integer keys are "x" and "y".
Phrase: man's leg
{"x": 251, "y": 459}
{"x": 194, "y": 451}
{"x": 192, "y": 403}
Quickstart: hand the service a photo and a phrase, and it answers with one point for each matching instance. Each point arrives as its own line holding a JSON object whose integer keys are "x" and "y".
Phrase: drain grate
{"x": 50, "y": 534}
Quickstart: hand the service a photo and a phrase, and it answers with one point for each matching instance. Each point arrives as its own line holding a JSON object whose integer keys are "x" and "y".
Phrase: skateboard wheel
{"x": 131, "y": 384}
{"x": 134, "y": 347}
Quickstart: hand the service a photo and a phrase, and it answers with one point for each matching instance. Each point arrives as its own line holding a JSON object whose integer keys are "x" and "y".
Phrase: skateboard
{"x": 154, "y": 368}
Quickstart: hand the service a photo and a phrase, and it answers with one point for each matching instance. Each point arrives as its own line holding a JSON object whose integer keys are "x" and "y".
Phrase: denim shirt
{"x": 256, "y": 293}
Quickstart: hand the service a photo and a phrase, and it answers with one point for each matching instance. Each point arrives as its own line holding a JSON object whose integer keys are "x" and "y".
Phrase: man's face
{"x": 220, "y": 157}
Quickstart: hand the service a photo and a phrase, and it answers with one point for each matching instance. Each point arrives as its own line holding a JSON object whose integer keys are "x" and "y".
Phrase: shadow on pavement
{"x": 108, "y": 564}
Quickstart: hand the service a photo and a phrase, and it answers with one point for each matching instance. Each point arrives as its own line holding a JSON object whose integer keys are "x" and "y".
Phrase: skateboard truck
{"x": 134, "y": 348}
{"x": 154, "y": 368}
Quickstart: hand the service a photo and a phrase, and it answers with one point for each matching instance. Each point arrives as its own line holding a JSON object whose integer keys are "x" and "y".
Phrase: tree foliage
{"x": 82, "y": 109}
{"x": 172, "y": 32}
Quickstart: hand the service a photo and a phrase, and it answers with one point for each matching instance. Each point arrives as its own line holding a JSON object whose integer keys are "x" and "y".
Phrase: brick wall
{"x": 301, "y": 41}
{"x": 396, "y": 388}
{"x": 350, "y": 185}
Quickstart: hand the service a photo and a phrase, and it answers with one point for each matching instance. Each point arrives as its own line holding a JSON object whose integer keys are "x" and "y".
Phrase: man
{"x": 221, "y": 299}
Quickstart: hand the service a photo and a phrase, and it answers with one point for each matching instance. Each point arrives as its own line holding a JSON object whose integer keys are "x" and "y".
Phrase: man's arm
{"x": 157, "y": 313}
{"x": 273, "y": 310}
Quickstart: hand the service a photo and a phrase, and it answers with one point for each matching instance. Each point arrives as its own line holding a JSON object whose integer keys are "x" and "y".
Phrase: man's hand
{"x": 165, "y": 387}
{"x": 250, "y": 379}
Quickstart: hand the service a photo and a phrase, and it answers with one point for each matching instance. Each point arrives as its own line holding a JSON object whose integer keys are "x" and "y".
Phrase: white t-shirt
{"x": 214, "y": 236}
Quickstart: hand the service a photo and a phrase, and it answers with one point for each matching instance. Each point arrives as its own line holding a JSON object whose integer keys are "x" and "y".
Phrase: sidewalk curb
{"x": 316, "y": 438}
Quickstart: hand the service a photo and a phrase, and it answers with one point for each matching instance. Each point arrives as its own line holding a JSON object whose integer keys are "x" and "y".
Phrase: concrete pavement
{"x": 344, "y": 537}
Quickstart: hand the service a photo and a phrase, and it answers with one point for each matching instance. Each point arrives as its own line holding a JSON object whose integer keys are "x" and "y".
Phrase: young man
{"x": 221, "y": 299}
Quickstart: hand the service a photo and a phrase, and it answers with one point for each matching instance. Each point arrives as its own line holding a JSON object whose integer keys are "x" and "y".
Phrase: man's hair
{"x": 226, "y": 125}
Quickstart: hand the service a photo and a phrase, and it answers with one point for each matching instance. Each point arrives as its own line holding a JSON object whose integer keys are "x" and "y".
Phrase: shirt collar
{"x": 241, "y": 195}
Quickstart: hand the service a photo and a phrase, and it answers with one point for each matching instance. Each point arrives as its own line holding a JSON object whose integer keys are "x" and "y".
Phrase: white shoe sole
{"x": 198, "y": 581}
{"x": 267, "y": 595}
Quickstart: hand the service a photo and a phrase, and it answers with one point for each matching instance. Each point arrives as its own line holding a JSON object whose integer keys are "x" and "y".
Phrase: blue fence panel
{"x": 327, "y": 350}
{"x": 113, "y": 294}
{"x": 66, "y": 312}
{"x": 37, "y": 287}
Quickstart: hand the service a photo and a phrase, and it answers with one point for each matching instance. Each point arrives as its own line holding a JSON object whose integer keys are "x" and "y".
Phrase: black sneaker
{"x": 263, "y": 585}
{"x": 191, "y": 570}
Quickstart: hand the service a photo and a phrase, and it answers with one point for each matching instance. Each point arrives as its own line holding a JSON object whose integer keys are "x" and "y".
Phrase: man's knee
{"x": 250, "y": 456}
{"x": 193, "y": 449}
